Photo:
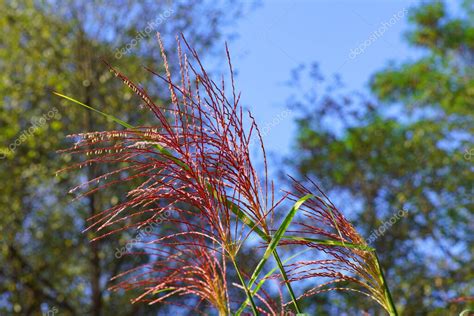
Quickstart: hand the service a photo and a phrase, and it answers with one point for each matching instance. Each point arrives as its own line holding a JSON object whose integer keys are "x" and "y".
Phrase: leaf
{"x": 260, "y": 284}
{"x": 160, "y": 148}
{"x": 244, "y": 218}
{"x": 330, "y": 243}
{"x": 271, "y": 249}
{"x": 247, "y": 221}
{"x": 110, "y": 117}
{"x": 163, "y": 290}
{"x": 277, "y": 237}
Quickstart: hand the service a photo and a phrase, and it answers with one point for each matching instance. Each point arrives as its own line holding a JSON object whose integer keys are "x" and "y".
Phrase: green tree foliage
{"x": 47, "y": 264}
{"x": 444, "y": 76}
{"x": 409, "y": 149}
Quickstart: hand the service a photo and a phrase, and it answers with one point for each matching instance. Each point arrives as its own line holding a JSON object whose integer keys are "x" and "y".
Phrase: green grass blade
{"x": 110, "y": 117}
{"x": 287, "y": 281}
{"x": 164, "y": 290}
{"x": 246, "y": 288}
{"x": 240, "y": 214}
{"x": 247, "y": 221}
{"x": 330, "y": 243}
{"x": 276, "y": 238}
{"x": 262, "y": 281}
{"x": 160, "y": 148}
{"x": 388, "y": 296}
{"x": 271, "y": 249}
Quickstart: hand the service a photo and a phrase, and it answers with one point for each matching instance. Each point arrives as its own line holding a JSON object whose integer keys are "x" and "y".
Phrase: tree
{"x": 417, "y": 160}
{"x": 47, "y": 263}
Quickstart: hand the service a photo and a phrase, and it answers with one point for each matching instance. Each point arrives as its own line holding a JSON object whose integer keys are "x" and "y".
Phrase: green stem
{"x": 247, "y": 291}
{"x": 391, "y": 306}
{"x": 285, "y": 277}
{"x": 260, "y": 284}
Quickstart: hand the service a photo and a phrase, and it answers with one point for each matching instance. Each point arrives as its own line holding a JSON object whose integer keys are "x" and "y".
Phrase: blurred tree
{"x": 410, "y": 149}
{"x": 47, "y": 264}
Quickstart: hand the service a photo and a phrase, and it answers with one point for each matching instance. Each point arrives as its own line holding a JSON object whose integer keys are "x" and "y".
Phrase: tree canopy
{"x": 405, "y": 147}
{"x": 60, "y": 46}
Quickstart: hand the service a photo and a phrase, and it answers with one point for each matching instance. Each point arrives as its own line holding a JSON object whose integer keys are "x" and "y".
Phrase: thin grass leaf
{"x": 391, "y": 306}
{"x": 247, "y": 221}
{"x": 264, "y": 279}
{"x": 246, "y": 288}
{"x": 160, "y": 148}
{"x": 330, "y": 243}
{"x": 271, "y": 249}
{"x": 110, "y": 117}
{"x": 276, "y": 238}
{"x": 164, "y": 290}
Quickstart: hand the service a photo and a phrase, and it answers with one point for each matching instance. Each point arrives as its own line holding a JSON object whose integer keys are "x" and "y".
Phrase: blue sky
{"x": 279, "y": 35}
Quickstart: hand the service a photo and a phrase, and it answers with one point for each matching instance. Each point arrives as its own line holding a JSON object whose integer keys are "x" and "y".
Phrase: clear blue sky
{"x": 279, "y": 35}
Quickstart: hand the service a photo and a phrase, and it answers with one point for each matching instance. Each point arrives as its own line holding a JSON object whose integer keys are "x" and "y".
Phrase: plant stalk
{"x": 285, "y": 277}
{"x": 247, "y": 291}
{"x": 388, "y": 296}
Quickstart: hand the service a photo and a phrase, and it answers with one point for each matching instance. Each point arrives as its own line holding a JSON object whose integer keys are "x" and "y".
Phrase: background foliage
{"x": 58, "y": 45}
{"x": 405, "y": 148}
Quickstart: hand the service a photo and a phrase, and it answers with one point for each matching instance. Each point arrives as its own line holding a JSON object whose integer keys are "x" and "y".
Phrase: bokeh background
{"x": 372, "y": 99}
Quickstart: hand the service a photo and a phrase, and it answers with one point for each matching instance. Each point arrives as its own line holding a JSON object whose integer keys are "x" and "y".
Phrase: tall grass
{"x": 196, "y": 163}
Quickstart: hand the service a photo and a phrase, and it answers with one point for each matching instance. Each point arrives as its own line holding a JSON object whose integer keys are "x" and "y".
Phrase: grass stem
{"x": 388, "y": 296}
{"x": 247, "y": 291}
